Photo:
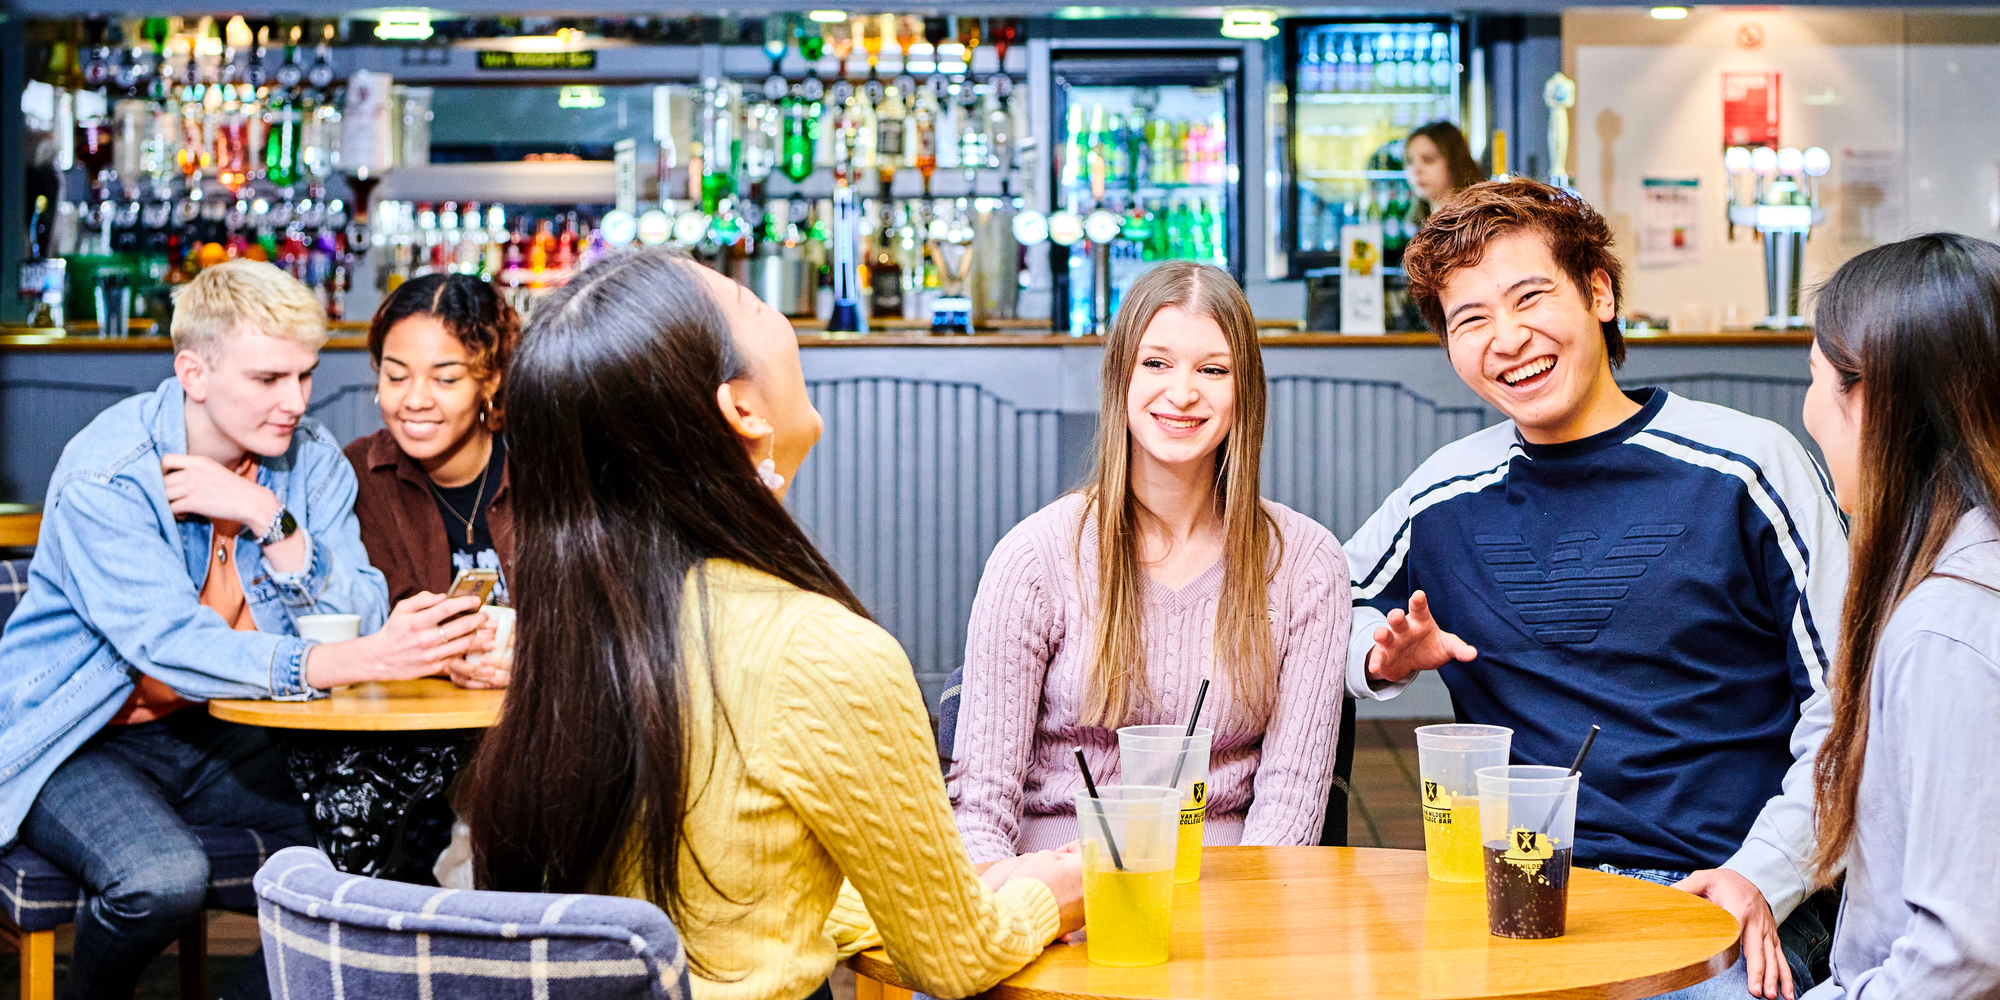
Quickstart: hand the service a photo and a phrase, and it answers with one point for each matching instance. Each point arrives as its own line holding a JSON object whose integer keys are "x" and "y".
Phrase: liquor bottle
{"x": 969, "y": 28}
{"x": 924, "y": 151}
{"x": 839, "y": 41}
{"x": 281, "y": 141}
{"x": 800, "y": 128}
{"x": 1095, "y": 166}
{"x": 872, "y": 29}
{"x": 718, "y": 144}
{"x": 865, "y": 136}
{"x": 564, "y": 261}
{"x": 541, "y": 252}
{"x": 909, "y": 27}
{"x": 885, "y": 271}
{"x": 890, "y": 123}
{"x": 975, "y": 150}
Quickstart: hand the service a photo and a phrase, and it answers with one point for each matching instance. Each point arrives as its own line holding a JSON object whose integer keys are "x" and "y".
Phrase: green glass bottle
{"x": 795, "y": 154}
{"x": 281, "y": 142}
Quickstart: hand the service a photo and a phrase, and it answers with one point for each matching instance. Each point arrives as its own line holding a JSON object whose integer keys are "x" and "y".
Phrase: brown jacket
{"x": 400, "y": 522}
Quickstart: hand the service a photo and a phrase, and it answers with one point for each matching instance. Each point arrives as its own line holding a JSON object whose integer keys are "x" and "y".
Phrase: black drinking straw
{"x": 1575, "y": 766}
{"x": 1200, "y": 696}
{"x": 1091, "y": 785}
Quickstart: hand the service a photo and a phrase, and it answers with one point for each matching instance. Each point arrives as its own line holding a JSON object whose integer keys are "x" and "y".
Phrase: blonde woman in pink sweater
{"x": 1108, "y": 607}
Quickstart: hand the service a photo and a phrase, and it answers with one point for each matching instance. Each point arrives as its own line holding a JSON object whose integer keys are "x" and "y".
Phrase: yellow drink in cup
{"x": 1194, "y": 820}
{"x": 1451, "y": 839}
{"x": 1151, "y": 755}
{"x": 1447, "y": 756}
{"x": 1125, "y": 913}
{"x": 1130, "y": 836}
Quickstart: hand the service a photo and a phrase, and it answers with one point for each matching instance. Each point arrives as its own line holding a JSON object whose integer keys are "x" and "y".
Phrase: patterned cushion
{"x": 38, "y": 896}
{"x": 13, "y": 585}
{"x": 329, "y": 935}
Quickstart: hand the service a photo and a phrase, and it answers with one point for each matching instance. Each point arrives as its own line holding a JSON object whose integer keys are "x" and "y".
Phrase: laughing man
{"x": 1668, "y": 569}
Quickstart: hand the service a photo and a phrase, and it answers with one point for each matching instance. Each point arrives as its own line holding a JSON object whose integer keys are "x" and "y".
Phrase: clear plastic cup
{"x": 1527, "y": 818}
{"x": 1447, "y": 758}
{"x": 1128, "y": 836}
{"x": 1166, "y": 755}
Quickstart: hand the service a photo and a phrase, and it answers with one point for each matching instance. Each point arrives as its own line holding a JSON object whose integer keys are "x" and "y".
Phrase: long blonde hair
{"x": 1115, "y": 680}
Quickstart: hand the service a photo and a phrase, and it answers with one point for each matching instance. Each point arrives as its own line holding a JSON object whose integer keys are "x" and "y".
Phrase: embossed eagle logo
{"x": 1569, "y": 601}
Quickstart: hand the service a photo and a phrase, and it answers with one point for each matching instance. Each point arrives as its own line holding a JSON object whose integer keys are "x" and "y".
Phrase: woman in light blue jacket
{"x": 1905, "y": 403}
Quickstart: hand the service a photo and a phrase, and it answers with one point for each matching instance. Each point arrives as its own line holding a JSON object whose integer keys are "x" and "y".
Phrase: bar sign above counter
{"x": 580, "y": 59}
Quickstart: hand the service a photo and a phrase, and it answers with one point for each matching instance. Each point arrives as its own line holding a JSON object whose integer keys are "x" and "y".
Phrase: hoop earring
{"x": 375, "y": 395}
{"x": 767, "y": 470}
{"x": 486, "y": 413}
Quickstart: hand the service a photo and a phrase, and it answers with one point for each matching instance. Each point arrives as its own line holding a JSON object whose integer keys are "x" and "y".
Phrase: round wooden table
{"x": 1285, "y": 922}
{"x": 373, "y": 760}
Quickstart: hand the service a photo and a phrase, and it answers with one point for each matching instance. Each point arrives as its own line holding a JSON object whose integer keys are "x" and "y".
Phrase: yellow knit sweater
{"x": 824, "y": 768}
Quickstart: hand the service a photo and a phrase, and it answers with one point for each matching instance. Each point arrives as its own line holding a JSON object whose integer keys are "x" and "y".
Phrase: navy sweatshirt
{"x": 1677, "y": 580}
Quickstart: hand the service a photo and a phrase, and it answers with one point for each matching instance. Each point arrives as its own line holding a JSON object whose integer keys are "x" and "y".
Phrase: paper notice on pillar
{"x": 1669, "y": 216}
{"x": 1871, "y": 196}
{"x": 1361, "y": 279}
{"x": 1750, "y": 107}
{"x": 365, "y": 146}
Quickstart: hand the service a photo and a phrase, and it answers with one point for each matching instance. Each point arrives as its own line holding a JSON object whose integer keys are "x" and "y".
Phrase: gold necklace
{"x": 478, "y": 499}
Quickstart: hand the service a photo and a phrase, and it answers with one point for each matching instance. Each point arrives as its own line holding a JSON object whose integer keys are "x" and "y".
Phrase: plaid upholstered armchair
{"x": 327, "y": 935}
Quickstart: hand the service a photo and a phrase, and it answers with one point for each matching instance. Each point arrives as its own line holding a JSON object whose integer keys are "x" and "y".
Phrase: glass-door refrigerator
{"x": 1357, "y": 90}
{"x": 1154, "y": 139}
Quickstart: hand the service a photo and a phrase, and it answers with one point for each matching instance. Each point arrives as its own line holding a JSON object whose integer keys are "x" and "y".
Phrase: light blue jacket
{"x": 115, "y": 590}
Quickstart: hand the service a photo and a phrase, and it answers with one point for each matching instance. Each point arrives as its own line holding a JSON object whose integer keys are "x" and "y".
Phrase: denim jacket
{"x": 114, "y": 590}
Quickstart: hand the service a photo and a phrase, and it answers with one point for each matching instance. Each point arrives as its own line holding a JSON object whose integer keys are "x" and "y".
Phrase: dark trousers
{"x": 115, "y": 817}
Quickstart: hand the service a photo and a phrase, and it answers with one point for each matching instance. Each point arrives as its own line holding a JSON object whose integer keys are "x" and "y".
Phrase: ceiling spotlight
{"x": 827, "y": 16}
{"x": 1669, "y": 13}
{"x": 1251, "y": 24}
{"x": 404, "y": 25}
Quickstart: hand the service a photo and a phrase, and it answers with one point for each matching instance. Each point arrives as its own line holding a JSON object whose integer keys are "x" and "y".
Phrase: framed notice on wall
{"x": 1749, "y": 107}
{"x": 1669, "y": 218}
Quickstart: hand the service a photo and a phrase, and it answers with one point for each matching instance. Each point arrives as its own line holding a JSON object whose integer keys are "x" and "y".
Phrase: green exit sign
{"x": 583, "y": 59}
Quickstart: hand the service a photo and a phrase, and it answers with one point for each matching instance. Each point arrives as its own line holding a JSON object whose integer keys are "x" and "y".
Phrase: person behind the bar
{"x": 702, "y": 714}
{"x": 1439, "y": 164}
{"x": 1904, "y": 405}
{"x": 1667, "y": 569}
{"x": 433, "y": 494}
{"x": 1108, "y": 607}
{"x": 184, "y": 531}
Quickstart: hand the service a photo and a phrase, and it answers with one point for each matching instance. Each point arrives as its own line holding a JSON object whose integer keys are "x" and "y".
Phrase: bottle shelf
{"x": 545, "y": 182}
{"x": 1418, "y": 98}
{"x": 1354, "y": 175}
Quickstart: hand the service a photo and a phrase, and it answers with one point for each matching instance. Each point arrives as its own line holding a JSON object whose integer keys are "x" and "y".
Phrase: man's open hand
{"x": 1411, "y": 642}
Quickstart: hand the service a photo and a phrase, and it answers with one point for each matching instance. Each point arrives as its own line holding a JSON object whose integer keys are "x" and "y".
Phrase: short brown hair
{"x": 473, "y": 311}
{"x": 244, "y": 296}
{"x": 1456, "y": 237}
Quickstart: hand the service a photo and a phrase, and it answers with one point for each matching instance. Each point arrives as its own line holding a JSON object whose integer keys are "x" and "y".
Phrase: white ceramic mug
{"x": 503, "y": 631}
{"x": 329, "y": 628}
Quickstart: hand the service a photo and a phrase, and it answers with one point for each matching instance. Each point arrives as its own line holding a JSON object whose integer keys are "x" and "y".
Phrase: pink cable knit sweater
{"x": 1014, "y": 782}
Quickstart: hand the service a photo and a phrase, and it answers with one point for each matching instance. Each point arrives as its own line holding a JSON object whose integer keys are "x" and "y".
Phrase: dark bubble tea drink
{"x": 1527, "y": 819}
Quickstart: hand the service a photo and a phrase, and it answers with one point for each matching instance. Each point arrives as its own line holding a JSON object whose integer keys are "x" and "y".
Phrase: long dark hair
{"x": 627, "y": 479}
{"x": 471, "y": 310}
{"x": 1465, "y": 171}
{"x": 1916, "y": 325}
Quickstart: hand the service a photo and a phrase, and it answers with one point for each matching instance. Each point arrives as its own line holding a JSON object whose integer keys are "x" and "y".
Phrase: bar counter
{"x": 936, "y": 445}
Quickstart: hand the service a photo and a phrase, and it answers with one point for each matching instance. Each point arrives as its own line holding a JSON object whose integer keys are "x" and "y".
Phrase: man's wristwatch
{"x": 282, "y": 526}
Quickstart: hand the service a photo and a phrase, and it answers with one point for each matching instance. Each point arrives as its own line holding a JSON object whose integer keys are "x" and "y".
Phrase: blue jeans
{"x": 1802, "y": 936}
{"x": 115, "y": 815}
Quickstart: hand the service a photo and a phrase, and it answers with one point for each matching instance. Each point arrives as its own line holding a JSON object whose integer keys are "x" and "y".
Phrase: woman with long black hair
{"x": 702, "y": 714}
{"x": 1905, "y": 404}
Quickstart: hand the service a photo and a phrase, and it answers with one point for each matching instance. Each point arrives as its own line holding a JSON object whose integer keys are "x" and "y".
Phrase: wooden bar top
{"x": 1285, "y": 922}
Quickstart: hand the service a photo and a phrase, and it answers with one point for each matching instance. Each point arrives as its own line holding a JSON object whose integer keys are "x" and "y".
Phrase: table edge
{"x": 875, "y": 964}
{"x": 251, "y": 712}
